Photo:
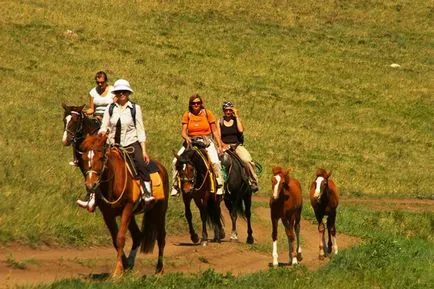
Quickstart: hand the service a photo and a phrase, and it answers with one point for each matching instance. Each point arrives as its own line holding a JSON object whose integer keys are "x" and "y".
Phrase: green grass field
{"x": 313, "y": 84}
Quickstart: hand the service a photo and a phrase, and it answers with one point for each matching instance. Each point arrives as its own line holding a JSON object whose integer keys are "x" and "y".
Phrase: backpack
{"x": 133, "y": 111}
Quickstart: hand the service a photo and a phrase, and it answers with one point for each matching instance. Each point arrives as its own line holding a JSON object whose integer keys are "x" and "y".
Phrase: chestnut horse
{"x": 196, "y": 181}
{"x": 324, "y": 199}
{"x": 238, "y": 195}
{"x": 286, "y": 204}
{"x": 118, "y": 194}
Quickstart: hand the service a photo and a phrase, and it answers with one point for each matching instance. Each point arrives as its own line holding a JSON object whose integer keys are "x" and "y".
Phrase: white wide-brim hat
{"x": 122, "y": 84}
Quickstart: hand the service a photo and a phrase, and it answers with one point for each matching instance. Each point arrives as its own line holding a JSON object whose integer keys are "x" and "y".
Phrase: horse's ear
{"x": 276, "y": 169}
{"x": 65, "y": 107}
{"x": 82, "y": 106}
{"x": 328, "y": 174}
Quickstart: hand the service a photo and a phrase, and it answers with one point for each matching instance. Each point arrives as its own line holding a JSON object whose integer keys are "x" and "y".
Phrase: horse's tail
{"x": 154, "y": 219}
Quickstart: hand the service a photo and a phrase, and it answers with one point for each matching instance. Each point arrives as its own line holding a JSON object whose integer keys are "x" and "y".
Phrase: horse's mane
{"x": 93, "y": 142}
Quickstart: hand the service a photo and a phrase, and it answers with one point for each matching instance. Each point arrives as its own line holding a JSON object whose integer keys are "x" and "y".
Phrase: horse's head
{"x": 94, "y": 159}
{"x": 321, "y": 182}
{"x": 186, "y": 171}
{"x": 280, "y": 180}
{"x": 71, "y": 122}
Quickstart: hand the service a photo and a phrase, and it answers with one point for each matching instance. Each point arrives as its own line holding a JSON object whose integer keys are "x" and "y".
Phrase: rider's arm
{"x": 184, "y": 133}
{"x": 91, "y": 108}
{"x": 240, "y": 125}
{"x": 105, "y": 123}
{"x": 216, "y": 134}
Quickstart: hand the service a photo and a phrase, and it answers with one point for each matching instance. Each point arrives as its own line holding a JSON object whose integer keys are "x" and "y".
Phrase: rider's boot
{"x": 146, "y": 191}
{"x": 90, "y": 204}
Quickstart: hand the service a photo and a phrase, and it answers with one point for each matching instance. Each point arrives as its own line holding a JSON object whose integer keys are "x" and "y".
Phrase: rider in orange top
{"x": 200, "y": 122}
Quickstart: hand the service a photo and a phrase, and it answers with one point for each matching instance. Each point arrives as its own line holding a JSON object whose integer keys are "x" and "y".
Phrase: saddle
{"x": 151, "y": 167}
{"x": 245, "y": 171}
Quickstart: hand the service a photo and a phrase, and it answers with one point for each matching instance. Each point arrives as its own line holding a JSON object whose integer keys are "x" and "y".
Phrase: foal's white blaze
{"x": 65, "y": 133}
{"x": 318, "y": 181}
{"x": 90, "y": 156}
{"x": 275, "y": 255}
{"x": 276, "y": 186}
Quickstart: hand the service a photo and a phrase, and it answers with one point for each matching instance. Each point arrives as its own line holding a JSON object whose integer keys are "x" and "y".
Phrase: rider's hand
{"x": 235, "y": 111}
{"x": 146, "y": 157}
{"x": 187, "y": 140}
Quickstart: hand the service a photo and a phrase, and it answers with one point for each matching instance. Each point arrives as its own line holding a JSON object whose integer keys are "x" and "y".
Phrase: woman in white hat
{"x": 123, "y": 122}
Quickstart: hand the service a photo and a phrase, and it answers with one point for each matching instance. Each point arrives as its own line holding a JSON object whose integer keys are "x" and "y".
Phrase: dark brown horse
{"x": 76, "y": 126}
{"x": 196, "y": 182}
{"x": 286, "y": 204}
{"x": 238, "y": 194}
{"x": 324, "y": 199}
{"x": 118, "y": 194}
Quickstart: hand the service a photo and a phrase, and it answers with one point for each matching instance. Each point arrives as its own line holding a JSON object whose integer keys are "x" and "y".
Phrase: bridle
{"x": 192, "y": 180}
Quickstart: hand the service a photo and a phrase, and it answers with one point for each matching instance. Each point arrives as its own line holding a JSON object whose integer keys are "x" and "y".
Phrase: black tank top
{"x": 229, "y": 134}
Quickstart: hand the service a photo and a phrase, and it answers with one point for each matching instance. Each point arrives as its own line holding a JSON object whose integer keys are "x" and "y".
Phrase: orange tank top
{"x": 198, "y": 125}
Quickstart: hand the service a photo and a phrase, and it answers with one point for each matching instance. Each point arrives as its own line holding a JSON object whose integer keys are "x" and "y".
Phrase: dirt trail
{"x": 45, "y": 265}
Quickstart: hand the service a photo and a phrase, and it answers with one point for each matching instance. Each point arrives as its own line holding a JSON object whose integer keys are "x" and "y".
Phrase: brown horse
{"x": 77, "y": 125}
{"x": 196, "y": 182}
{"x": 286, "y": 204}
{"x": 324, "y": 199}
{"x": 118, "y": 194}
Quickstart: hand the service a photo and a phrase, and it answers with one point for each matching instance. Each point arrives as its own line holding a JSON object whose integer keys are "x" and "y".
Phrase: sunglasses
{"x": 122, "y": 92}
{"x": 196, "y": 103}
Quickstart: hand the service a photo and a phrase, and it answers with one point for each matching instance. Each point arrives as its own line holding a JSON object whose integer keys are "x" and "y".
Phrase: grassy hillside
{"x": 312, "y": 80}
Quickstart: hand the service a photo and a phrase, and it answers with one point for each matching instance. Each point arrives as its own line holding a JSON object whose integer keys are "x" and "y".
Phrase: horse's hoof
{"x": 204, "y": 243}
{"x": 195, "y": 238}
{"x": 299, "y": 257}
{"x": 250, "y": 240}
{"x": 321, "y": 257}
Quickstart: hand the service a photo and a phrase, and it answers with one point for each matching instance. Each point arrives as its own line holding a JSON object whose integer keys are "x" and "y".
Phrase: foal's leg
{"x": 331, "y": 229}
{"x": 136, "y": 237}
{"x": 321, "y": 231}
{"x": 297, "y": 235}
{"x": 189, "y": 216}
{"x": 248, "y": 208}
{"x": 127, "y": 212}
{"x": 289, "y": 229}
{"x": 275, "y": 255}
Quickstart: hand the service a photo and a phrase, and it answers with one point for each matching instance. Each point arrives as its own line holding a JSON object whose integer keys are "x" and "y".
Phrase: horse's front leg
{"x": 290, "y": 235}
{"x": 248, "y": 208}
{"x": 136, "y": 237}
{"x": 110, "y": 221}
{"x": 297, "y": 227}
{"x": 189, "y": 216}
{"x": 321, "y": 231}
{"x": 127, "y": 213}
{"x": 331, "y": 229}
{"x": 274, "y": 222}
